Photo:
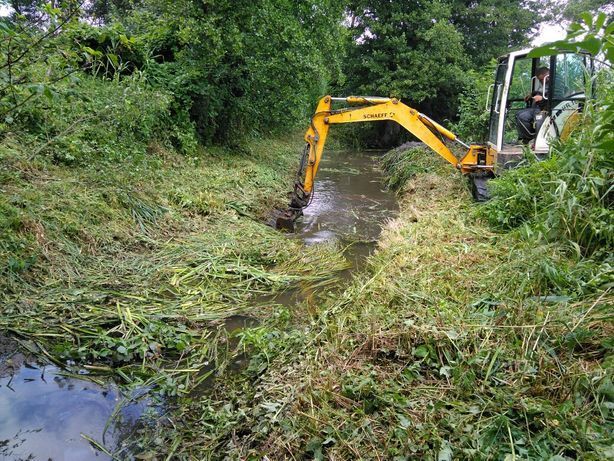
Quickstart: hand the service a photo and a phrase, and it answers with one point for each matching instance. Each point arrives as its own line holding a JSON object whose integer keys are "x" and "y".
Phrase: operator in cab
{"x": 529, "y": 120}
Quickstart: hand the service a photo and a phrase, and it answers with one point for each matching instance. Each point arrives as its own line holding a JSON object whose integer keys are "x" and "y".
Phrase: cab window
{"x": 496, "y": 106}
{"x": 569, "y": 76}
{"x": 522, "y": 85}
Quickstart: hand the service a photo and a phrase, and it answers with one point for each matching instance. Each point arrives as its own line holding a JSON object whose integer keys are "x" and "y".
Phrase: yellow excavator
{"x": 563, "y": 92}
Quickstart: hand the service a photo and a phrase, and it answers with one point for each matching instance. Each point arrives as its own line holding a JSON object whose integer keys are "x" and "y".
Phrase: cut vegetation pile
{"x": 454, "y": 343}
{"x": 129, "y": 268}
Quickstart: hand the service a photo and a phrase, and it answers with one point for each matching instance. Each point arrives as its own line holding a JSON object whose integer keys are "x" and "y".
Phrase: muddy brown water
{"x": 44, "y": 413}
{"x": 350, "y": 205}
{"x": 350, "y": 202}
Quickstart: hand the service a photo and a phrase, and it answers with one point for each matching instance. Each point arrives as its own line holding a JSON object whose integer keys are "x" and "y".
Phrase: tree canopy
{"x": 235, "y": 68}
{"x": 421, "y": 51}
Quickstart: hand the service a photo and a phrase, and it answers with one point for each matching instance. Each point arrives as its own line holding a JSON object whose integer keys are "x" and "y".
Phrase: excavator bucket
{"x": 285, "y": 221}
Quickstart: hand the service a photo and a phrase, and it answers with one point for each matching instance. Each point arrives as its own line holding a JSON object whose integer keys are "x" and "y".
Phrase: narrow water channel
{"x": 350, "y": 204}
{"x": 44, "y": 415}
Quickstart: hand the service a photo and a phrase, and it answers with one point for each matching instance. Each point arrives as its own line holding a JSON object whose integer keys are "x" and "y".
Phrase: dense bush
{"x": 94, "y": 119}
{"x": 228, "y": 69}
{"x": 239, "y": 68}
{"x": 473, "y": 115}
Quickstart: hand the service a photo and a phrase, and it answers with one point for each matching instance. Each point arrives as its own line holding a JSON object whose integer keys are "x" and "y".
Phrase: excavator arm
{"x": 371, "y": 109}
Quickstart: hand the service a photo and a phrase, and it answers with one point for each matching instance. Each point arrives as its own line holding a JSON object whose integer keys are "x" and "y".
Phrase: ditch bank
{"x": 172, "y": 306}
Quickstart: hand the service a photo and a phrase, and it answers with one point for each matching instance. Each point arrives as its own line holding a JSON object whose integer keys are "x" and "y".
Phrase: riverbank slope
{"x": 127, "y": 266}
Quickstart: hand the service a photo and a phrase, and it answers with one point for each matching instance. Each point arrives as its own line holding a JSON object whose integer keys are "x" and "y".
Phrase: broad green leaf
{"x": 552, "y": 48}
{"x": 91, "y": 51}
{"x": 113, "y": 58}
{"x": 541, "y": 51}
{"x": 127, "y": 42}
{"x": 574, "y": 27}
{"x": 591, "y": 44}
{"x": 607, "y": 145}
{"x": 575, "y": 34}
{"x": 422, "y": 351}
{"x": 600, "y": 21}
{"x": 587, "y": 18}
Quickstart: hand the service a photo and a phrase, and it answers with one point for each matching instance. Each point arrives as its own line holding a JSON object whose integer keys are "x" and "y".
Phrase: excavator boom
{"x": 359, "y": 109}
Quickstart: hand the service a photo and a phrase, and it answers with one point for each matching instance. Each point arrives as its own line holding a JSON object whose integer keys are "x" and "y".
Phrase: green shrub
{"x": 103, "y": 119}
{"x": 472, "y": 125}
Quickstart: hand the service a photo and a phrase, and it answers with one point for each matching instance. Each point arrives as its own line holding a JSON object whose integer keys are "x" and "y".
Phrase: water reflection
{"x": 43, "y": 414}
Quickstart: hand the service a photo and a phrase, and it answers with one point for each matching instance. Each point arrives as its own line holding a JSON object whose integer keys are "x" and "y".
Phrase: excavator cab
{"x": 563, "y": 90}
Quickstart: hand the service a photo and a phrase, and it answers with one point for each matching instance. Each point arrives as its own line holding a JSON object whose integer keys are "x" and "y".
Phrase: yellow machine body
{"x": 371, "y": 109}
{"x": 477, "y": 158}
{"x": 515, "y": 72}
